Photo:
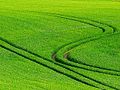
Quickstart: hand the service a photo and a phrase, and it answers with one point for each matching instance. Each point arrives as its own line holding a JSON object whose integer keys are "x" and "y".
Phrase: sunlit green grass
{"x": 35, "y": 26}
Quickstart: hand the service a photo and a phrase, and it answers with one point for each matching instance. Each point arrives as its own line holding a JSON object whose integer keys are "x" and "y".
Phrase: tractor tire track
{"x": 58, "y": 71}
{"x": 57, "y": 63}
{"x": 66, "y": 55}
{"x": 22, "y": 55}
{"x": 54, "y": 55}
{"x": 48, "y": 60}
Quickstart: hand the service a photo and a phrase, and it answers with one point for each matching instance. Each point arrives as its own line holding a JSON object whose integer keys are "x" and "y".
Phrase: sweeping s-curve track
{"x": 80, "y": 42}
{"x": 56, "y": 63}
{"x": 50, "y": 67}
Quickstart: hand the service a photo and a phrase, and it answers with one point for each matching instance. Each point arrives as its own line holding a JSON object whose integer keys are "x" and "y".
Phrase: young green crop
{"x": 43, "y": 42}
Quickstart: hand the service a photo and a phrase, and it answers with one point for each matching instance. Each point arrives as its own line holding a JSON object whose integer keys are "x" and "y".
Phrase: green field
{"x": 59, "y": 45}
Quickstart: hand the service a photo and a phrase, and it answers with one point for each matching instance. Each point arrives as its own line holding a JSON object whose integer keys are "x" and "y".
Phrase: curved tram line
{"x": 56, "y": 63}
{"x": 83, "y": 41}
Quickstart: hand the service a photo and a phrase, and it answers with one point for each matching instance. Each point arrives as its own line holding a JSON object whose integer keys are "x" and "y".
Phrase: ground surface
{"x": 59, "y": 44}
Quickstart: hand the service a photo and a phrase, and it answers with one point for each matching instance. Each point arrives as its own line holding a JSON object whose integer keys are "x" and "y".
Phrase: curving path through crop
{"x": 57, "y": 61}
{"x": 70, "y": 46}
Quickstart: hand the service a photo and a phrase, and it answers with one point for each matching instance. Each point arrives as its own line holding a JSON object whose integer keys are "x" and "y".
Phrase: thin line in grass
{"x": 57, "y": 50}
{"x": 66, "y": 54}
{"x": 68, "y": 75}
{"x": 58, "y": 71}
{"x": 57, "y": 63}
{"x": 81, "y": 74}
{"x": 47, "y": 60}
